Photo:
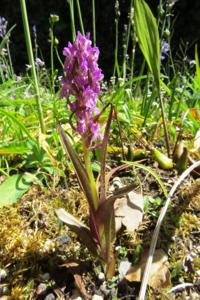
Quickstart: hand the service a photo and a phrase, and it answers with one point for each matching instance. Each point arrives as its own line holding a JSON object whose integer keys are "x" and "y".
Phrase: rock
{"x": 101, "y": 276}
{"x": 49, "y": 297}
{"x": 97, "y": 297}
{"x": 123, "y": 268}
{"x": 76, "y": 295}
{"x": 3, "y": 289}
{"x": 63, "y": 239}
{"x": 45, "y": 276}
{"x": 41, "y": 288}
{"x": 104, "y": 289}
{"x": 3, "y": 274}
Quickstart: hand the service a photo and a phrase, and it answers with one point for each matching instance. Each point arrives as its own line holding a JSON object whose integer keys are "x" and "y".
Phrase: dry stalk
{"x": 163, "y": 212}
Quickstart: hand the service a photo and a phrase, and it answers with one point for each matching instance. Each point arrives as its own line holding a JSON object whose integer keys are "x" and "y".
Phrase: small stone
{"x": 50, "y": 297}
{"x": 123, "y": 268}
{"x": 76, "y": 295}
{"x": 97, "y": 297}
{"x": 101, "y": 276}
{"x": 63, "y": 239}
{"x": 3, "y": 274}
{"x": 76, "y": 298}
{"x": 41, "y": 288}
{"x": 3, "y": 289}
{"x": 104, "y": 289}
{"x": 45, "y": 276}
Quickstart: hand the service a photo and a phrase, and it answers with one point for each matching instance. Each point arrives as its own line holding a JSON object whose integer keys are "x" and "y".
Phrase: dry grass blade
{"x": 157, "y": 230}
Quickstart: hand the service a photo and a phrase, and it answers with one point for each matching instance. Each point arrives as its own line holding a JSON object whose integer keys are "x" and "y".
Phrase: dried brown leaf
{"x": 159, "y": 275}
{"x": 128, "y": 210}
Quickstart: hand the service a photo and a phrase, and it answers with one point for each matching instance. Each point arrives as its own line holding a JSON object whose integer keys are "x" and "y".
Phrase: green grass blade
{"x": 148, "y": 37}
{"x": 19, "y": 148}
{"x": 11, "y": 116}
{"x": 150, "y": 171}
{"x": 6, "y": 38}
{"x": 32, "y": 63}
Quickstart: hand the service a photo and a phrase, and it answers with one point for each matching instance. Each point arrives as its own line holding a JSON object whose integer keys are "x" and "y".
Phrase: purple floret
{"x": 81, "y": 80}
{"x": 164, "y": 49}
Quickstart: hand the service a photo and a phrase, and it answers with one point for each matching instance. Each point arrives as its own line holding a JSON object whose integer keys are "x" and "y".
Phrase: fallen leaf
{"x": 128, "y": 210}
{"x": 159, "y": 274}
{"x": 195, "y": 114}
{"x": 76, "y": 268}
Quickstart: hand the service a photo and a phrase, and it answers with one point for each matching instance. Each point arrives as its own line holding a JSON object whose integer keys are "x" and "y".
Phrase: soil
{"x": 41, "y": 259}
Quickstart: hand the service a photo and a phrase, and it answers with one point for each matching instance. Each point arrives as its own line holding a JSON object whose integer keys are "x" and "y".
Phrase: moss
{"x": 28, "y": 237}
{"x": 196, "y": 263}
{"x": 188, "y": 222}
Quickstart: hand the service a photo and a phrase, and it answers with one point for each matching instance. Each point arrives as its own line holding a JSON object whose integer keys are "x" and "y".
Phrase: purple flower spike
{"x": 81, "y": 80}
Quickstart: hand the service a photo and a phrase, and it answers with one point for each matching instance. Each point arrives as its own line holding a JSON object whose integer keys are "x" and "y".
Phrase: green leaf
{"x": 17, "y": 102}
{"x": 148, "y": 37}
{"x": 13, "y": 148}
{"x": 78, "y": 227}
{"x": 103, "y": 158}
{"x": 16, "y": 121}
{"x": 106, "y": 223}
{"x": 6, "y": 38}
{"x": 13, "y": 188}
{"x": 150, "y": 171}
{"x": 78, "y": 166}
{"x": 197, "y": 77}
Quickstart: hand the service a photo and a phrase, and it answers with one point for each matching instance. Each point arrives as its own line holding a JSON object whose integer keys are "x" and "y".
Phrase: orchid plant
{"x": 81, "y": 87}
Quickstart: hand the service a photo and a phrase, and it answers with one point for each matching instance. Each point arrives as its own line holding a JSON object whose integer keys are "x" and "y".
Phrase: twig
{"x": 157, "y": 230}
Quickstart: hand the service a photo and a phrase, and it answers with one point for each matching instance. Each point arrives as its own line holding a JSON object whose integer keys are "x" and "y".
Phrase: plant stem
{"x": 10, "y": 60}
{"x": 31, "y": 62}
{"x": 127, "y": 42}
{"x": 167, "y": 140}
{"x": 133, "y": 60}
{"x": 90, "y": 175}
{"x": 71, "y": 7}
{"x": 52, "y": 59}
{"x": 94, "y": 22}
{"x": 116, "y": 65}
{"x": 58, "y": 57}
{"x": 80, "y": 17}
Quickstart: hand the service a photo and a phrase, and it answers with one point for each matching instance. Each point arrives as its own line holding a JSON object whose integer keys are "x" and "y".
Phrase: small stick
{"x": 163, "y": 212}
